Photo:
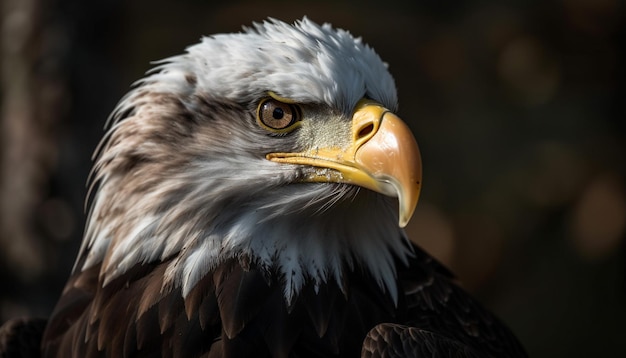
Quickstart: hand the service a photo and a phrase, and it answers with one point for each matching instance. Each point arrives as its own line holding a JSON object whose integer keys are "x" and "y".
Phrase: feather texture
{"x": 239, "y": 310}
{"x": 197, "y": 245}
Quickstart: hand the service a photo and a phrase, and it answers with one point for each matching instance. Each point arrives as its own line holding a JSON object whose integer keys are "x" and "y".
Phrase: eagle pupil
{"x": 278, "y": 113}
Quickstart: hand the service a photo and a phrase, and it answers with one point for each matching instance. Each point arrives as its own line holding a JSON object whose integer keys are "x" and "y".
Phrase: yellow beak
{"x": 383, "y": 156}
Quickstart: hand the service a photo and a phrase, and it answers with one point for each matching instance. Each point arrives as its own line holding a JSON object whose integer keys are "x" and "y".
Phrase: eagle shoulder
{"x": 238, "y": 309}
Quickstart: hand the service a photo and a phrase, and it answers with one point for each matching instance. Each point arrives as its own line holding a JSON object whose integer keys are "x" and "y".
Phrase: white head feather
{"x": 197, "y": 198}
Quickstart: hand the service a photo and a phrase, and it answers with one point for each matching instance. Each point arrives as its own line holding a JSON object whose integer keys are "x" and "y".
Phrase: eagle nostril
{"x": 365, "y": 131}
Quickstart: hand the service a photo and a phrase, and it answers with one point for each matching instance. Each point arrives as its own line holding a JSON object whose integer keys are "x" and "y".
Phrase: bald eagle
{"x": 248, "y": 201}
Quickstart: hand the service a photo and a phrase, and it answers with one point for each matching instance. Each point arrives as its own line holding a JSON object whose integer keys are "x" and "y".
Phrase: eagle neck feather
{"x": 290, "y": 236}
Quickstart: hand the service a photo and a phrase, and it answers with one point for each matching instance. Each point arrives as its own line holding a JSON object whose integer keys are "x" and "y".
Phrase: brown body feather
{"x": 238, "y": 310}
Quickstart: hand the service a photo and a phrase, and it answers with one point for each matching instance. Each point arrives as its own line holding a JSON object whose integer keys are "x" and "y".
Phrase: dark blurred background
{"x": 518, "y": 107}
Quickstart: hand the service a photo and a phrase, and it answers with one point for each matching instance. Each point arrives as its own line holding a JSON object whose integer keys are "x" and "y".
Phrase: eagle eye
{"x": 278, "y": 116}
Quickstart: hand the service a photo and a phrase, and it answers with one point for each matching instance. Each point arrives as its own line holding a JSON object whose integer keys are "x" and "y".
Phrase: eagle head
{"x": 278, "y": 145}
